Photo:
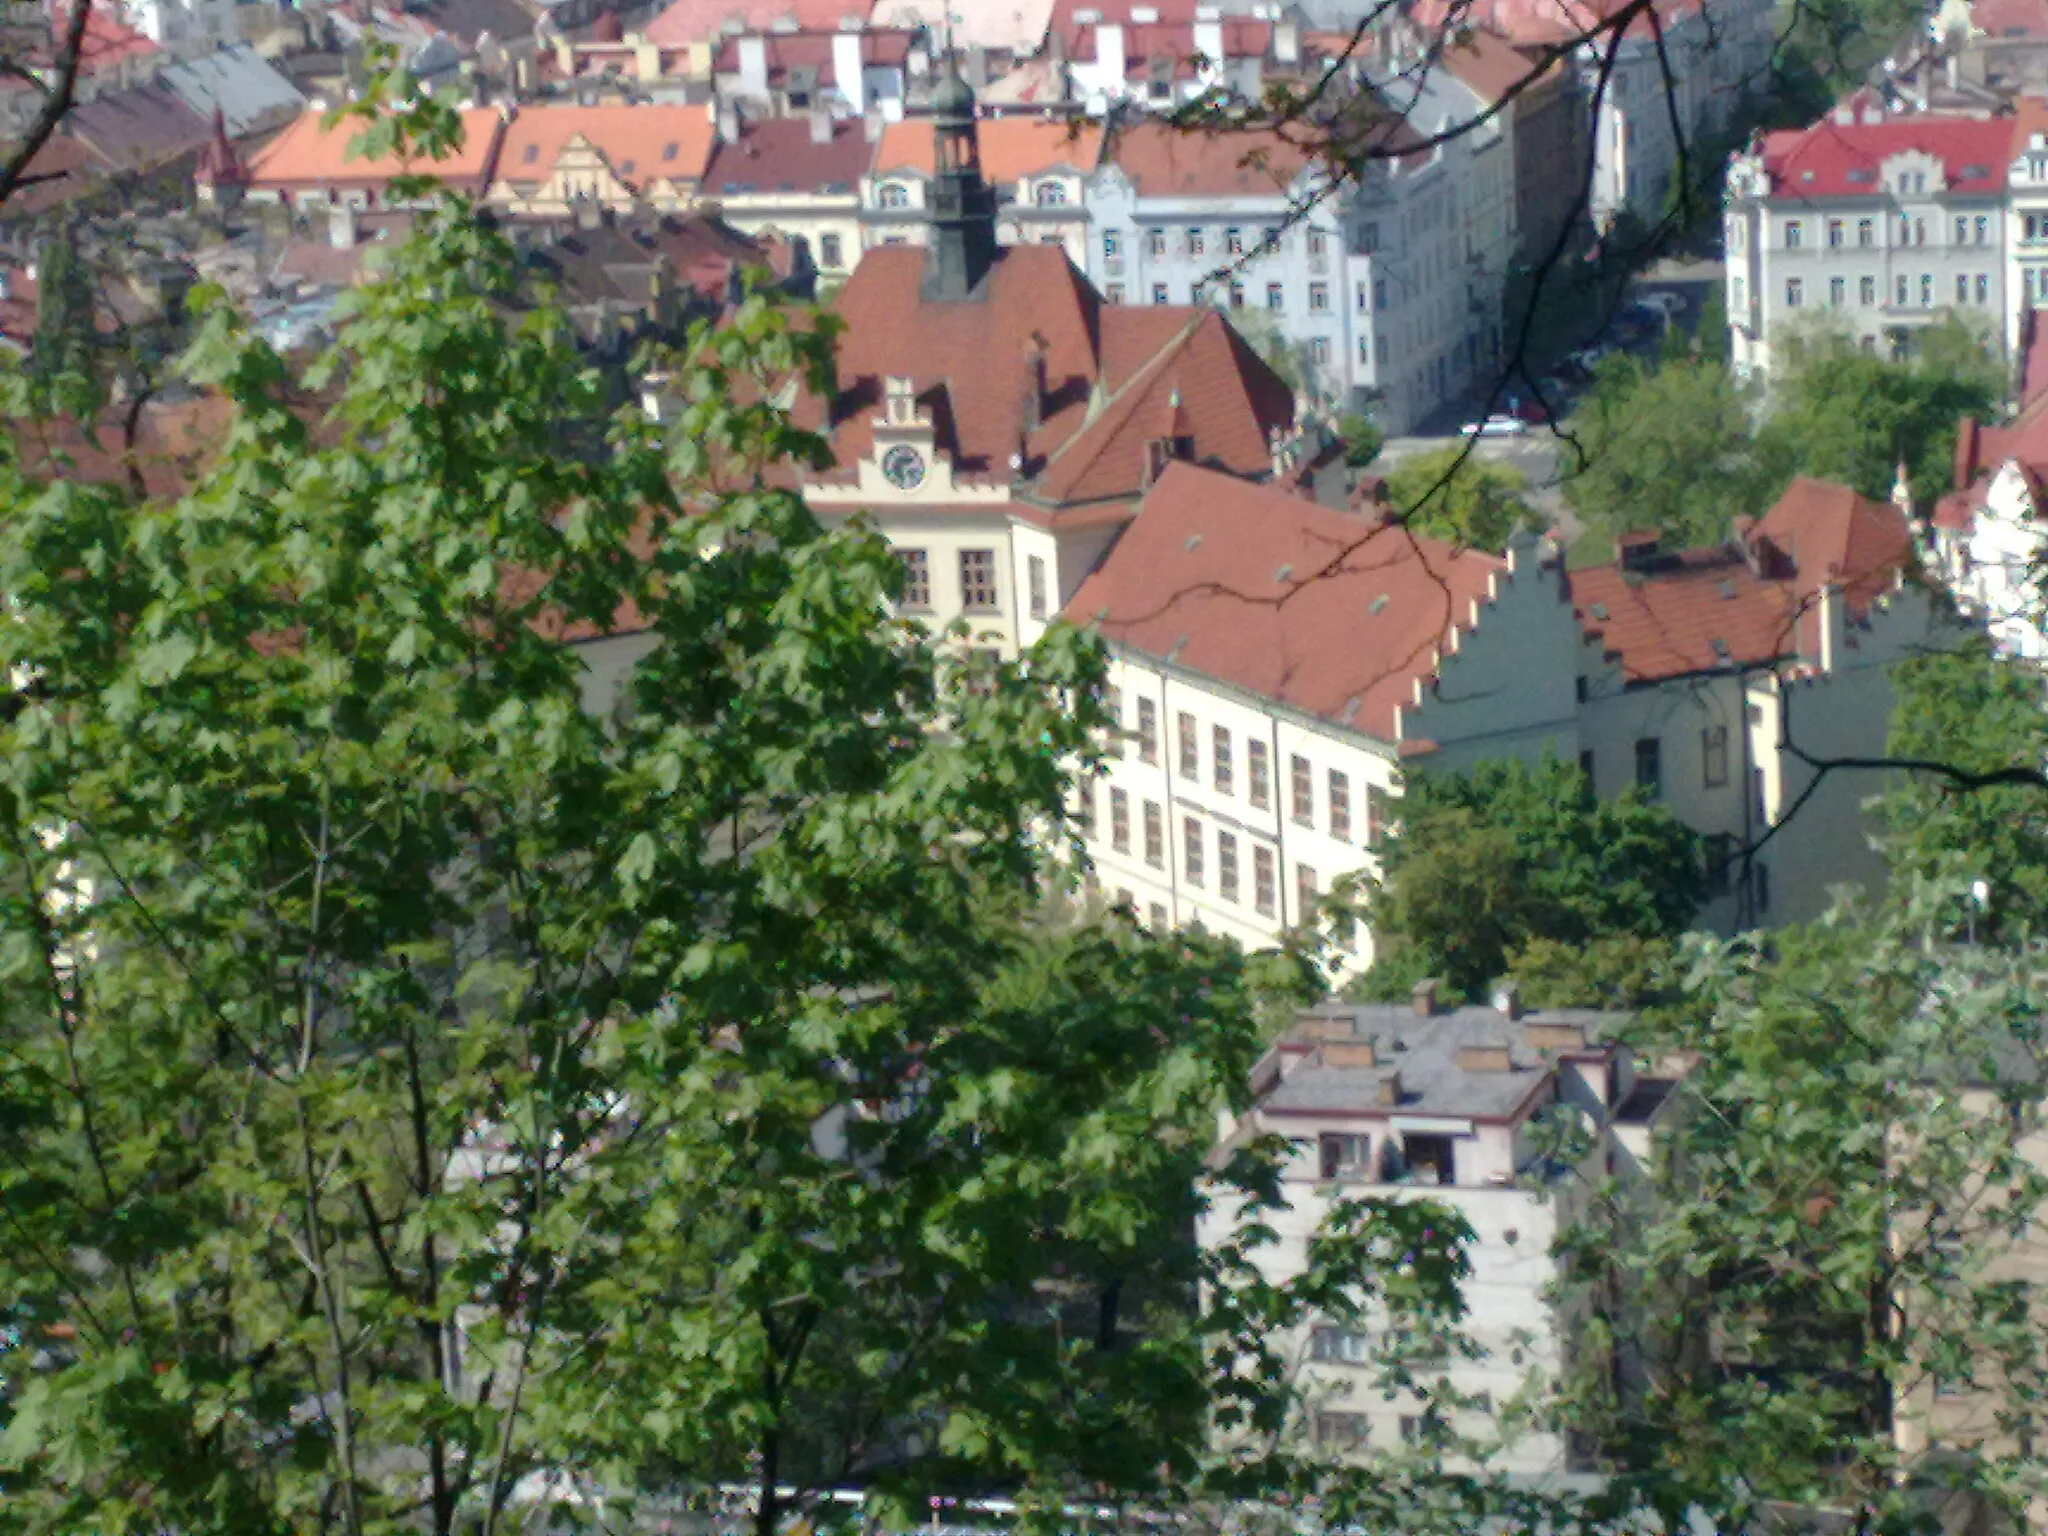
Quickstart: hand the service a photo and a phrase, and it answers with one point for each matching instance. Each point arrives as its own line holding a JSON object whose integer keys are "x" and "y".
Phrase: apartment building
{"x": 308, "y": 165}
{"x": 1263, "y": 743}
{"x": 1162, "y": 55}
{"x": 1398, "y": 1103}
{"x": 1880, "y": 222}
{"x": 1986, "y": 536}
{"x": 797, "y": 179}
{"x": 1367, "y": 283}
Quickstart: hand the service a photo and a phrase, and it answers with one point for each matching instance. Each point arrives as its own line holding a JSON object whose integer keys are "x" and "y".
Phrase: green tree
{"x": 1979, "y": 714}
{"x": 1824, "y": 1237}
{"x": 1362, "y": 439}
{"x": 1488, "y": 862}
{"x": 1839, "y": 413}
{"x": 1623, "y": 970}
{"x": 424, "y": 1089}
{"x": 1452, "y": 493}
{"x": 1661, "y": 446}
{"x": 66, "y": 367}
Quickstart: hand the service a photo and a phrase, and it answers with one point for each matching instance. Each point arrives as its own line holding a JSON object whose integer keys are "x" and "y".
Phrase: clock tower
{"x": 962, "y": 244}
{"x": 904, "y": 438}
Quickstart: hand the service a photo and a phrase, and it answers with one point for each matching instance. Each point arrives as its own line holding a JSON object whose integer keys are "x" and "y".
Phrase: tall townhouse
{"x": 1279, "y": 669}
{"x": 794, "y": 177}
{"x": 1882, "y": 221}
{"x": 1423, "y": 1102}
{"x": 1366, "y": 281}
{"x": 1000, "y": 423}
{"x": 1036, "y": 166}
{"x": 2026, "y": 218}
{"x": 1988, "y": 534}
{"x": 1687, "y": 74}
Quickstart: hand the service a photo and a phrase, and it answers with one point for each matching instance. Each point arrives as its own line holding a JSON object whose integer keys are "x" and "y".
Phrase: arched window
{"x": 893, "y": 194}
{"x": 1051, "y": 194}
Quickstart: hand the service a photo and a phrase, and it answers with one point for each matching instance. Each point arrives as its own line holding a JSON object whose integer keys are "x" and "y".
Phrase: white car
{"x": 1670, "y": 303}
{"x": 1496, "y": 426}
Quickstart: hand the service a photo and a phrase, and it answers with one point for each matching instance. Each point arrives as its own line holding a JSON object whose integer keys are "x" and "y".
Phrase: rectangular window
{"x": 1148, "y": 731}
{"x": 1927, "y": 290}
{"x": 1191, "y": 850}
{"x": 1793, "y": 234}
{"x": 1185, "y": 732}
{"x": 1305, "y": 893}
{"x": 1760, "y": 882}
{"x": 1155, "y": 916}
{"x": 1339, "y": 1346}
{"x": 1113, "y": 706}
{"x": 1650, "y": 766}
{"x": 1717, "y": 854}
{"x": 1336, "y": 1431}
{"x": 1343, "y": 1154}
{"x": 1340, "y": 806}
{"x": 1159, "y": 295}
{"x": 1084, "y": 805}
{"x": 1983, "y": 288}
{"x": 1237, "y": 295}
{"x": 1114, "y": 293}
{"x": 1714, "y": 756}
{"x": 1319, "y": 349}
{"x": 1319, "y": 298}
{"x": 1265, "y": 881}
{"x": 1233, "y": 241}
{"x": 1226, "y": 865}
{"x": 1155, "y": 242}
{"x": 1035, "y": 570}
{"x": 1258, "y": 778}
{"x": 917, "y": 581}
{"x": 1155, "y": 835}
{"x": 1112, "y": 244}
{"x": 829, "y": 252}
{"x": 1120, "y": 820}
{"x": 1276, "y": 296}
{"x": 1365, "y": 350}
{"x": 1586, "y": 766}
{"x": 1318, "y": 243}
{"x": 1962, "y": 230}
{"x": 1919, "y": 231}
{"x": 1983, "y": 230}
{"x": 978, "y": 580}
{"x": 1866, "y": 291}
{"x": 1962, "y": 288}
{"x": 1795, "y": 292}
{"x": 1375, "y": 815}
{"x": 1379, "y": 293}
{"x": 1219, "y": 756}
{"x": 1834, "y": 232}
{"x": 1904, "y": 292}
{"x": 1194, "y": 242}
{"x": 1838, "y": 291}
{"x": 1304, "y": 786}
{"x": 1866, "y": 232}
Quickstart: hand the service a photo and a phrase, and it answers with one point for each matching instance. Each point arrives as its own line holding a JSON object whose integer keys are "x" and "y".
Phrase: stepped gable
{"x": 1753, "y": 602}
{"x": 1321, "y": 611}
{"x": 1110, "y": 373}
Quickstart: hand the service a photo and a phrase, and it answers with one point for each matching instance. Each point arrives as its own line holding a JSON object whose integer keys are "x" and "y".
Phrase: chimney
{"x": 727, "y": 115}
{"x": 1555, "y": 1037}
{"x": 872, "y": 125}
{"x": 1507, "y": 1000}
{"x": 1287, "y": 42}
{"x": 1845, "y": 113}
{"x": 753, "y": 70}
{"x": 821, "y": 127}
{"x": 1423, "y": 997}
{"x": 1484, "y": 1058}
{"x": 341, "y": 227}
{"x": 1390, "y": 1091}
{"x": 1209, "y": 42}
{"x": 1034, "y": 382}
{"x": 848, "y": 72}
{"x": 1350, "y": 1053}
{"x": 1832, "y": 615}
{"x": 1109, "y": 50}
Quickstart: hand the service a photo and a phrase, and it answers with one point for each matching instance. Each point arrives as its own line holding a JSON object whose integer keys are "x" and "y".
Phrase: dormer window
{"x": 532, "y": 154}
{"x": 1050, "y": 194}
{"x": 892, "y": 194}
{"x": 900, "y": 401}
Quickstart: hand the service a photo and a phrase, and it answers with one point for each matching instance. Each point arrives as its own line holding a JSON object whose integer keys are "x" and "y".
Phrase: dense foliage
{"x": 1452, "y": 493}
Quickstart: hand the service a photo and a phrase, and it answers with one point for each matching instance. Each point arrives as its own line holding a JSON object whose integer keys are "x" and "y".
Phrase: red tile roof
{"x": 704, "y": 21}
{"x": 1322, "y": 611}
{"x": 307, "y": 155}
{"x": 642, "y": 143}
{"x": 1490, "y": 64}
{"x": 1011, "y": 147}
{"x": 1116, "y": 378}
{"x": 1831, "y": 159}
{"x": 1165, "y": 161}
{"x": 173, "y": 443}
{"x": 779, "y": 155}
{"x": 2010, "y": 18}
{"x": 1171, "y": 42}
{"x": 1710, "y": 609}
{"x": 1544, "y": 21}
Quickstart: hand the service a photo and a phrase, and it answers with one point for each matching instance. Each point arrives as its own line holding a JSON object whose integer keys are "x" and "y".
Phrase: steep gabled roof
{"x": 1164, "y": 161}
{"x": 1836, "y": 159}
{"x": 781, "y": 154}
{"x": 1327, "y": 613}
{"x": 642, "y": 143}
{"x": 310, "y": 154}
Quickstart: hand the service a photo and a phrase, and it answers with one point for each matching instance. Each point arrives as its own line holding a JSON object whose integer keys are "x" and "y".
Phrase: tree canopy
{"x": 1485, "y": 863}
{"x": 1452, "y": 493}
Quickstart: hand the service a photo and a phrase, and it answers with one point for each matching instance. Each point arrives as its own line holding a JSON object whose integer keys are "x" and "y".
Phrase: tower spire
{"x": 963, "y": 212}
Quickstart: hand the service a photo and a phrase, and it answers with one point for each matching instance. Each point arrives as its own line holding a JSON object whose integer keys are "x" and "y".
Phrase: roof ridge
{"x": 1126, "y": 399}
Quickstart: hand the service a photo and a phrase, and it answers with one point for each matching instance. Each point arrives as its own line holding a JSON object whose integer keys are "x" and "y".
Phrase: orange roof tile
{"x": 1011, "y": 147}
{"x": 1705, "y": 610}
{"x": 1322, "y": 611}
{"x": 642, "y": 143}
{"x": 307, "y": 154}
{"x": 703, "y": 21}
{"x": 1164, "y": 161}
{"x": 1108, "y": 371}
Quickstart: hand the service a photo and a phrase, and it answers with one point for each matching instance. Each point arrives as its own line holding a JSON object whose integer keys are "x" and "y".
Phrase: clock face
{"x": 903, "y": 467}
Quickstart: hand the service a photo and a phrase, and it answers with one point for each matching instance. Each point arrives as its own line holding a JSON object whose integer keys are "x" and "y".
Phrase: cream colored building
{"x": 557, "y": 159}
{"x": 797, "y": 178}
{"x": 1037, "y": 167}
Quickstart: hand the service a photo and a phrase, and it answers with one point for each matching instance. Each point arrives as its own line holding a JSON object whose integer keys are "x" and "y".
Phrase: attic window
{"x": 670, "y": 151}
{"x": 625, "y": 167}
{"x": 1862, "y": 175}
{"x": 1727, "y": 589}
{"x": 1378, "y": 604}
{"x": 1285, "y": 573}
{"x": 1599, "y": 611}
{"x": 1806, "y": 175}
{"x": 1721, "y": 648}
{"x": 532, "y": 153}
{"x": 1976, "y": 172}
{"x": 1194, "y": 542}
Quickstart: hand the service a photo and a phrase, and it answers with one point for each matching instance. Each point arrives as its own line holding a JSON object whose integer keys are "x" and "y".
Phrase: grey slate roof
{"x": 1321, "y": 1073}
{"x": 249, "y": 93}
{"x": 138, "y": 129}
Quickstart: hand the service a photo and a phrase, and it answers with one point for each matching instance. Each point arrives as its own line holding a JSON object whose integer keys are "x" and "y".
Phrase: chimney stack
{"x": 1423, "y": 997}
{"x": 1555, "y": 1037}
{"x": 1034, "y": 382}
{"x": 1507, "y": 1000}
{"x": 1350, "y": 1053}
{"x": 341, "y": 227}
{"x": 821, "y": 127}
{"x": 1484, "y": 1058}
{"x": 1390, "y": 1091}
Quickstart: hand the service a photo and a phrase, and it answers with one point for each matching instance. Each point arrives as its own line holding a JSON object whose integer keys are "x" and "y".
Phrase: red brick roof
{"x": 779, "y": 155}
{"x": 174, "y": 441}
{"x": 1831, "y": 159}
{"x": 1322, "y": 611}
{"x": 1116, "y": 377}
{"x": 2010, "y": 18}
{"x": 1164, "y": 161}
{"x": 704, "y": 21}
{"x": 643, "y": 143}
{"x": 813, "y": 51}
{"x": 1168, "y": 42}
{"x": 1715, "y": 608}
{"x": 1544, "y": 21}
{"x": 1011, "y": 147}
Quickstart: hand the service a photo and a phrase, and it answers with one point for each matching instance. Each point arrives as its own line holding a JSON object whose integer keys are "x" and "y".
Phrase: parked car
{"x": 1528, "y": 408}
{"x": 1495, "y": 426}
{"x": 1669, "y": 305}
